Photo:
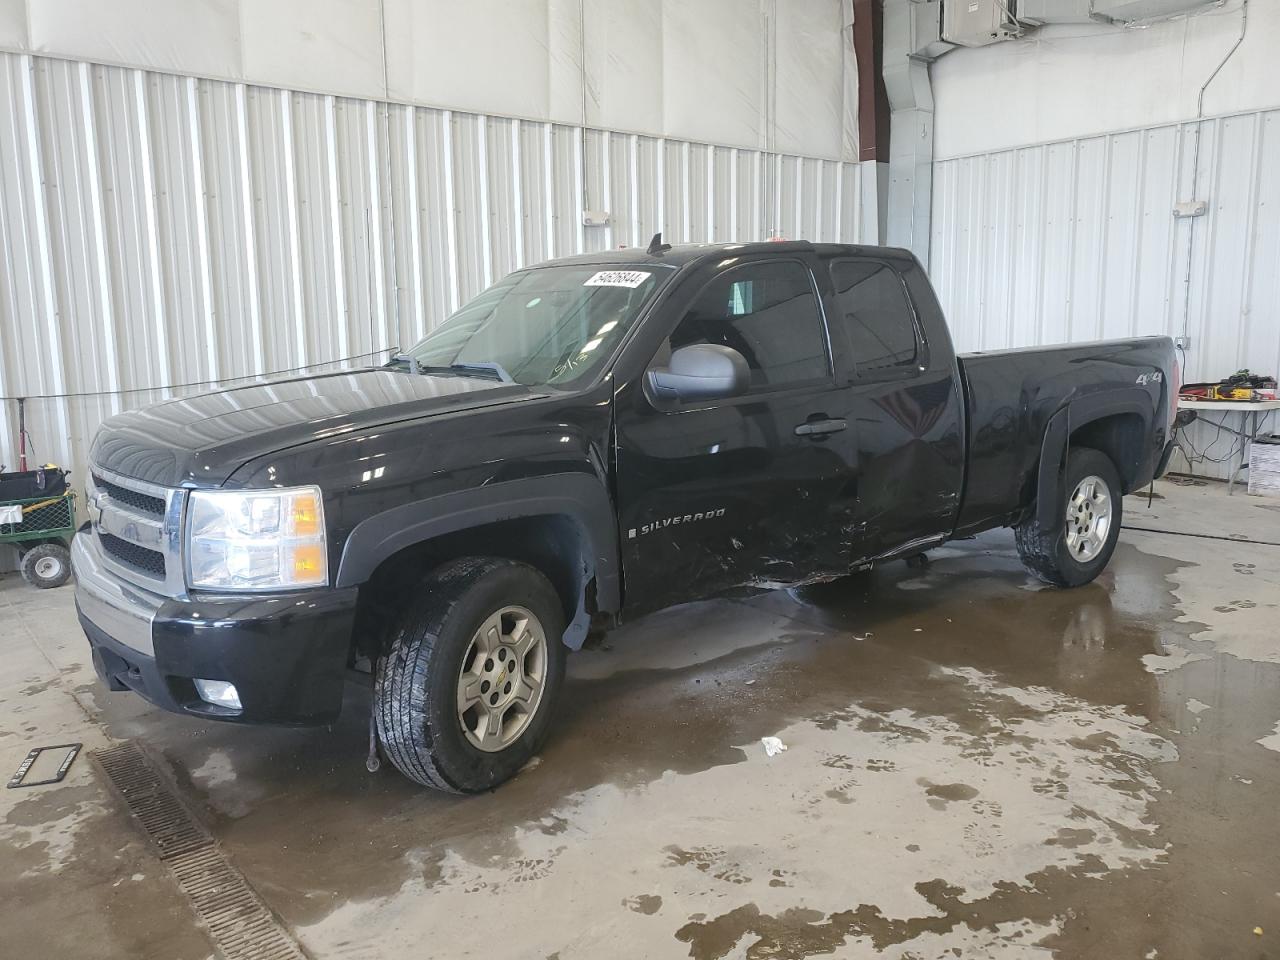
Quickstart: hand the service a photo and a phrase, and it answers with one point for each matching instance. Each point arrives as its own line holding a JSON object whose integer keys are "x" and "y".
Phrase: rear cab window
{"x": 874, "y": 319}
{"x": 768, "y": 311}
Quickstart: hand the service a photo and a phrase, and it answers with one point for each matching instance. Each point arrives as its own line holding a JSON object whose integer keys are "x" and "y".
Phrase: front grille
{"x": 131, "y": 498}
{"x": 137, "y": 527}
{"x": 150, "y": 562}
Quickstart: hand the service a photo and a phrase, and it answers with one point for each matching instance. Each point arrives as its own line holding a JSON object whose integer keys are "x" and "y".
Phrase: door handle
{"x": 812, "y": 428}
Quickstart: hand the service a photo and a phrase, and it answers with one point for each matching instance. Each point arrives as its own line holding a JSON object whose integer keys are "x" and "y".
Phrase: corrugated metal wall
{"x": 1077, "y": 241}
{"x": 157, "y": 229}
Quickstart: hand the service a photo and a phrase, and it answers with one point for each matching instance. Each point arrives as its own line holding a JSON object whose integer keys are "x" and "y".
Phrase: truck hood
{"x": 203, "y": 440}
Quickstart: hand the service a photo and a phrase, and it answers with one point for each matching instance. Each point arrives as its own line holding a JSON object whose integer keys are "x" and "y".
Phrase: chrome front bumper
{"x": 120, "y": 610}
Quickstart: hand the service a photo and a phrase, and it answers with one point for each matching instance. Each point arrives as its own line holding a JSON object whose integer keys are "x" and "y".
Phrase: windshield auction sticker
{"x": 618, "y": 278}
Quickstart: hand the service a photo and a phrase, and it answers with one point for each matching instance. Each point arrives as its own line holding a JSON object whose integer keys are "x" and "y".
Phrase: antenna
{"x": 656, "y": 247}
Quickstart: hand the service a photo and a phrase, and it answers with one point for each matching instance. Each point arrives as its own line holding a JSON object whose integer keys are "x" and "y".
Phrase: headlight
{"x": 257, "y": 539}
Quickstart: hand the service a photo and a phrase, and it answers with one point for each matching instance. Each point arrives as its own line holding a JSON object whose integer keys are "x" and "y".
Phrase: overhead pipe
{"x": 22, "y": 434}
{"x": 873, "y": 117}
{"x": 1122, "y": 13}
{"x": 912, "y": 41}
{"x": 1195, "y": 180}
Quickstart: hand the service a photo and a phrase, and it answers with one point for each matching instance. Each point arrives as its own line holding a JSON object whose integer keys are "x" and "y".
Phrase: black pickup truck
{"x": 587, "y": 441}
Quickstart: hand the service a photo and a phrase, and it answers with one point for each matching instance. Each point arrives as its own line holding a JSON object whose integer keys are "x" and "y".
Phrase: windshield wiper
{"x": 486, "y": 370}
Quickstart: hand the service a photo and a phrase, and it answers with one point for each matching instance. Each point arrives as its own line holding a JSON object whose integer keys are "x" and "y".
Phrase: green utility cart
{"x": 41, "y": 528}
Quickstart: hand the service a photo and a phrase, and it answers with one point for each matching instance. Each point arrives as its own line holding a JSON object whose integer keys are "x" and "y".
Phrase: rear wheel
{"x": 464, "y": 695}
{"x": 47, "y": 565}
{"x": 1079, "y": 545}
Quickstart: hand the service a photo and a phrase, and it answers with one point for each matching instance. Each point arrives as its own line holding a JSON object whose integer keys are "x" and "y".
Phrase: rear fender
{"x": 1058, "y": 430}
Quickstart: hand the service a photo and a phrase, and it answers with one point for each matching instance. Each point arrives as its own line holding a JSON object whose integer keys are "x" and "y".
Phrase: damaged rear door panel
{"x": 906, "y": 411}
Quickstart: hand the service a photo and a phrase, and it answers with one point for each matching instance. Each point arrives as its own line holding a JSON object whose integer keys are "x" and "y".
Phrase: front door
{"x": 715, "y": 495}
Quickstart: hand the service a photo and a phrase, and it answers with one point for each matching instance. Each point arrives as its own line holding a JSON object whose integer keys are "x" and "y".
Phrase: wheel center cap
{"x": 502, "y": 679}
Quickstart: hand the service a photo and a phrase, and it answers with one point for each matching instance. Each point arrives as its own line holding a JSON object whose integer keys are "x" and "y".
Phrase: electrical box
{"x": 1264, "y": 467}
{"x": 976, "y": 23}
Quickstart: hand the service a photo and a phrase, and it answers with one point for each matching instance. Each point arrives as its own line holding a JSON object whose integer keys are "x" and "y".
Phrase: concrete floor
{"x": 976, "y": 766}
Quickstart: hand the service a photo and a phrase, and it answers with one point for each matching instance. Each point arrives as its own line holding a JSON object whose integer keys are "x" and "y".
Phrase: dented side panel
{"x": 717, "y": 495}
{"x": 908, "y": 430}
{"x": 723, "y": 496}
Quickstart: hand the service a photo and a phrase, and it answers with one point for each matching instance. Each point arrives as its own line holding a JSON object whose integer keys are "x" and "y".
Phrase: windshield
{"x": 552, "y": 325}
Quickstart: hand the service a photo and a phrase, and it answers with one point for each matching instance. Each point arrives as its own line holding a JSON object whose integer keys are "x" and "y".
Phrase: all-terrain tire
{"x": 1045, "y": 551}
{"x": 47, "y": 565}
{"x": 416, "y": 687}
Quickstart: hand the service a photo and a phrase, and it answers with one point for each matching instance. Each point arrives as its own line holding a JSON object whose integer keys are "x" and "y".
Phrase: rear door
{"x": 717, "y": 494}
{"x": 905, "y": 409}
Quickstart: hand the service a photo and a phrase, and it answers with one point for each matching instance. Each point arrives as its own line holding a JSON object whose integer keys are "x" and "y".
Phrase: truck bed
{"x": 1011, "y": 395}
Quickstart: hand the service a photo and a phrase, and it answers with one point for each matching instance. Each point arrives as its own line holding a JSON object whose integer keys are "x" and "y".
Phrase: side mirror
{"x": 701, "y": 371}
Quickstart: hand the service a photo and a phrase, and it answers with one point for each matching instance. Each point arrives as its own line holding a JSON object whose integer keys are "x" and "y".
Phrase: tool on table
{"x": 1240, "y": 386}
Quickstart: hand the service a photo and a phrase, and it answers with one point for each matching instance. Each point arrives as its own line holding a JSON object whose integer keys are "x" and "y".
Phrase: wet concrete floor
{"x": 975, "y": 766}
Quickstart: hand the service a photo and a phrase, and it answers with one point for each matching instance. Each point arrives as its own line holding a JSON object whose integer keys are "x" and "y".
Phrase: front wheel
{"x": 465, "y": 693}
{"x": 1079, "y": 545}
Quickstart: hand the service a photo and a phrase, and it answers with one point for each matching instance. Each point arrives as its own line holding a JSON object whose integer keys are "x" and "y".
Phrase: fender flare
{"x": 1058, "y": 429}
{"x": 579, "y": 496}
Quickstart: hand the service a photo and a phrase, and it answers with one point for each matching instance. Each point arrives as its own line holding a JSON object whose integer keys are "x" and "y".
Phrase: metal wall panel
{"x": 759, "y": 74}
{"x": 1077, "y": 241}
{"x": 159, "y": 230}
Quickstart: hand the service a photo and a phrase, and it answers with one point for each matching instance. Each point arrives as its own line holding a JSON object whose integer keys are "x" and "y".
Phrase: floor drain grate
{"x": 241, "y": 925}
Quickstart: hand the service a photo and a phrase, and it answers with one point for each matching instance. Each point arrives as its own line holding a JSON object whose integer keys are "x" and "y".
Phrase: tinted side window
{"x": 875, "y": 315}
{"x": 767, "y": 312}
